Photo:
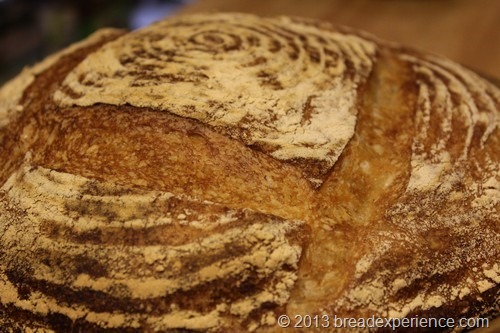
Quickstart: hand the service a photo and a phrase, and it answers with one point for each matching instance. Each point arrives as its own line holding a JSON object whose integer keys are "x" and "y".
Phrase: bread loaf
{"x": 213, "y": 172}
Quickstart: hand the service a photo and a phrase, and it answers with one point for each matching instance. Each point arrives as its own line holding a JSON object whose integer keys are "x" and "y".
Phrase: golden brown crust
{"x": 23, "y": 105}
{"x": 138, "y": 147}
{"x": 214, "y": 171}
{"x": 281, "y": 87}
{"x": 195, "y": 263}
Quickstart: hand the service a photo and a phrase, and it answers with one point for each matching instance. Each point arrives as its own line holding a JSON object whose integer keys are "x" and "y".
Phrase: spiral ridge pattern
{"x": 272, "y": 83}
{"x": 79, "y": 258}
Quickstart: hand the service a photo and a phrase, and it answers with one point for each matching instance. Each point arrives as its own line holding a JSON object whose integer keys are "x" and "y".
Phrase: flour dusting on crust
{"x": 12, "y": 92}
{"x": 287, "y": 88}
{"x": 131, "y": 258}
{"x": 443, "y": 244}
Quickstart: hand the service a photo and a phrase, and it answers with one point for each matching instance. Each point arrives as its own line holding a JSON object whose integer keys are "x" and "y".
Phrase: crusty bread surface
{"x": 212, "y": 172}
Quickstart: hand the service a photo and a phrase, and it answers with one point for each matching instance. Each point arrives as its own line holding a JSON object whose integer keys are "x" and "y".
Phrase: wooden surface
{"x": 467, "y": 31}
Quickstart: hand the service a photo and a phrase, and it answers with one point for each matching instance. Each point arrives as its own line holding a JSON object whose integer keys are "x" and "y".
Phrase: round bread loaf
{"x": 213, "y": 172}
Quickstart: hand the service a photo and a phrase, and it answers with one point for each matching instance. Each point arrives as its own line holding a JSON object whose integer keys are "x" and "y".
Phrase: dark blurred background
{"x": 467, "y": 31}
{"x": 31, "y": 29}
